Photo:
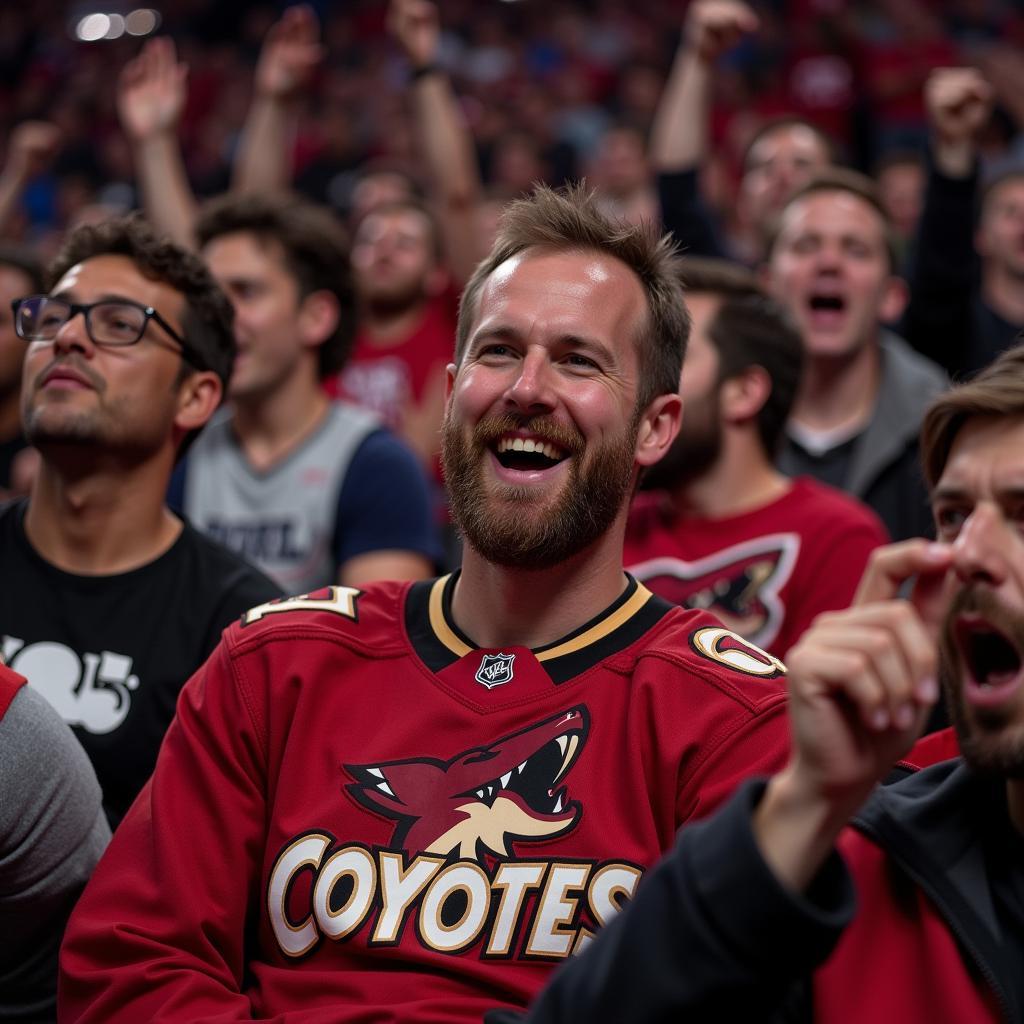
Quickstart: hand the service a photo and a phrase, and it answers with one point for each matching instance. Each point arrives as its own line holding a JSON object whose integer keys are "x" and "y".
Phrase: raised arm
{"x": 443, "y": 135}
{"x": 150, "y": 100}
{"x": 31, "y": 147}
{"x": 679, "y": 135}
{"x": 937, "y": 320}
{"x": 287, "y": 61}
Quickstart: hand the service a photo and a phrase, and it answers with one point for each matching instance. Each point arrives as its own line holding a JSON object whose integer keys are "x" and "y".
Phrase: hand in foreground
{"x": 959, "y": 103}
{"x": 861, "y": 683}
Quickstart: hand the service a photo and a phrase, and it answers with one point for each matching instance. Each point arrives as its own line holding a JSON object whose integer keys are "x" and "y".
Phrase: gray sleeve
{"x": 52, "y": 832}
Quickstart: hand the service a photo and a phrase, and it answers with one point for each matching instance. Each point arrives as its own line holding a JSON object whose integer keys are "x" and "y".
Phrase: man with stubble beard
{"x": 417, "y": 798}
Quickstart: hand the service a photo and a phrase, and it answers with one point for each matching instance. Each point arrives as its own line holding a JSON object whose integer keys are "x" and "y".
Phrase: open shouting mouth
{"x": 992, "y": 660}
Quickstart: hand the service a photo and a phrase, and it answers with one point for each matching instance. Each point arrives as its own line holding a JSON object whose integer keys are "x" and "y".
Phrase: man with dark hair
{"x": 20, "y": 274}
{"x": 117, "y": 602}
{"x": 719, "y": 527}
{"x": 935, "y": 859}
{"x": 408, "y": 802}
{"x": 312, "y": 491}
{"x": 832, "y": 262}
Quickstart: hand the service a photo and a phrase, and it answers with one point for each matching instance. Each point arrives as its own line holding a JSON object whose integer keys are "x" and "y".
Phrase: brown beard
{"x": 500, "y": 526}
{"x": 991, "y": 740}
{"x": 696, "y": 449}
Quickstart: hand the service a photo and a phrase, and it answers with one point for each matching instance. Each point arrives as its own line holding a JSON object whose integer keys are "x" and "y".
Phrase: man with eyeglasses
{"x": 112, "y": 602}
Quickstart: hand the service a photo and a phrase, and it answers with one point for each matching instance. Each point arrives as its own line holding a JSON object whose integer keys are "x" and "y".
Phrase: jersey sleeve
{"x": 159, "y": 932}
{"x": 385, "y": 503}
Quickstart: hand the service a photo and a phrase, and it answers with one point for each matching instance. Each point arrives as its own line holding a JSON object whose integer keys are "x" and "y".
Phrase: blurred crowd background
{"x": 546, "y": 88}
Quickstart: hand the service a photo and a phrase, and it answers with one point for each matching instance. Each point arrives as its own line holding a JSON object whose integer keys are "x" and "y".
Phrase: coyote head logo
{"x": 483, "y": 799}
{"x": 738, "y": 585}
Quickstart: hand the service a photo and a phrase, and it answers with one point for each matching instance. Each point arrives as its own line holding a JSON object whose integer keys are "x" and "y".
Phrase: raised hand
{"x": 290, "y": 54}
{"x": 715, "y": 26}
{"x": 861, "y": 683}
{"x": 33, "y": 144}
{"x": 959, "y": 102}
{"x": 417, "y": 27}
{"x": 151, "y": 91}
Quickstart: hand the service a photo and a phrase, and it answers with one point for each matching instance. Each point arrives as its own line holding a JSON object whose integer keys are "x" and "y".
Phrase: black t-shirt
{"x": 8, "y": 449}
{"x": 111, "y": 653}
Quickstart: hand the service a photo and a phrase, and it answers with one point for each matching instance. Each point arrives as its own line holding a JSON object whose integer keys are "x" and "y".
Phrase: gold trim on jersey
{"x": 439, "y": 624}
{"x": 601, "y": 629}
{"x": 444, "y": 632}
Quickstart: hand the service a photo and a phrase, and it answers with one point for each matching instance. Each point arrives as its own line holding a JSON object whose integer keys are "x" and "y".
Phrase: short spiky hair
{"x": 208, "y": 323}
{"x": 997, "y": 391}
{"x": 315, "y": 248}
{"x": 569, "y": 220}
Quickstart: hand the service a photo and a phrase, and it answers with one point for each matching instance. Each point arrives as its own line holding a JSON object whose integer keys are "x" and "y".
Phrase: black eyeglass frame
{"x": 86, "y": 308}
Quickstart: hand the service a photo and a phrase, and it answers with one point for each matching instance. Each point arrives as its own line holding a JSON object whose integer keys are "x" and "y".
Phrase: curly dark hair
{"x": 315, "y": 247}
{"x": 208, "y": 322}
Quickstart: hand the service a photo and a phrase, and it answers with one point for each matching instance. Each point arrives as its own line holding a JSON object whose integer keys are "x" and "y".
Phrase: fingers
{"x": 714, "y": 26}
{"x": 891, "y": 566}
{"x": 881, "y": 659}
{"x": 958, "y": 101}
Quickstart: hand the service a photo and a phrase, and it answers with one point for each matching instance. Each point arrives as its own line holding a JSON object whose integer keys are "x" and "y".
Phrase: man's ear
{"x": 894, "y": 300}
{"x": 449, "y": 381}
{"x": 319, "y": 313}
{"x": 659, "y": 425}
{"x": 743, "y": 395}
{"x": 199, "y": 395}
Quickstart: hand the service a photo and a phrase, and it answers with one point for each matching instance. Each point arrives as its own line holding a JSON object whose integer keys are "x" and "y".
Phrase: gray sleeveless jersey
{"x": 282, "y": 520}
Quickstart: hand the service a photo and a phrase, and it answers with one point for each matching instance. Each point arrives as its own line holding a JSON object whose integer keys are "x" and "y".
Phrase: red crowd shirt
{"x": 388, "y": 378}
{"x": 358, "y": 815}
{"x": 765, "y": 573}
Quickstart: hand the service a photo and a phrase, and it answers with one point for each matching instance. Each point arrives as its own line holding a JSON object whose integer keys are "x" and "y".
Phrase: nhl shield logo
{"x": 495, "y": 669}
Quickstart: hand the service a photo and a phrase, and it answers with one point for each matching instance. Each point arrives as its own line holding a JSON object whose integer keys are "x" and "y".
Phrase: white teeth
{"x": 521, "y": 767}
{"x": 375, "y": 771}
{"x": 520, "y": 444}
{"x": 480, "y": 793}
{"x": 558, "y": 805}
{"x": 490, "y": 789}
{"x": 385, "y": 788}
{"x": 505, "y": 779}
{"x": 563, "y": 742}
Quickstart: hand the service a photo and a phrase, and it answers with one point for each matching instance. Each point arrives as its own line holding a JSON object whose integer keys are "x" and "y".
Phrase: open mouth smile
{"x": 527, "y": 454}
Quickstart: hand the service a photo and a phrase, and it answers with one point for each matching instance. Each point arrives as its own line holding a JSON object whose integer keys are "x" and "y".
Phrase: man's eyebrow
{"x": 949, "y": 492}
{"x": 68, "y": 295}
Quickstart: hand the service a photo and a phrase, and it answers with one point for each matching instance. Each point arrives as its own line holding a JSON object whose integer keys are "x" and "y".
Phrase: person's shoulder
{"x": 692, "y": 648}
{"x": 368, "y": 621}
{"x": 914, "y": 371}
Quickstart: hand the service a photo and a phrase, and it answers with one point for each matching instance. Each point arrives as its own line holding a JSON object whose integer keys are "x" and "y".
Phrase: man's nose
{"x": 73, "y": 334}
{"x": 980, "y": 548}
{"x": 532, "y": 388}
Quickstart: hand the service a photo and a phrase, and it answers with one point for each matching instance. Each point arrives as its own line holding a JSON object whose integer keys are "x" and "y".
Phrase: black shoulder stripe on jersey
{"x": 440, "y": 643}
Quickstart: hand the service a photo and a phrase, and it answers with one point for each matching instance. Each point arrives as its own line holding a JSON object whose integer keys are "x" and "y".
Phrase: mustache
{"x": 979, "y": 599}
{"x": 491, "y": 428}
{"x": 72, "y": 362}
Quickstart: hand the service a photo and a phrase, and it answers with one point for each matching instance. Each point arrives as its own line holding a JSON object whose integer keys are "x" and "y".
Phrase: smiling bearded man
{"x": 450, "y": 781}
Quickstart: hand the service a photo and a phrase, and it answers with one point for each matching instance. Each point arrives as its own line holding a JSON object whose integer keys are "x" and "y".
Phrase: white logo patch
{"x": 495, "y": 670}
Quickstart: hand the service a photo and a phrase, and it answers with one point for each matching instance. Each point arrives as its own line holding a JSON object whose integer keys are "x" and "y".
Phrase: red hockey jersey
{"x": 765, "y": 573}
{"x": 357, "y": 815}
